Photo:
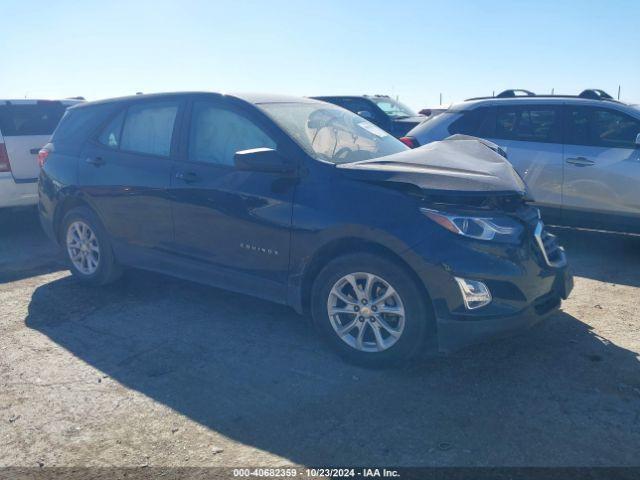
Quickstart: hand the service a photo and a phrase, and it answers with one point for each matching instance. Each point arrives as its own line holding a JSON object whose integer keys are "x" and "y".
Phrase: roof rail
{"x": 515, "y": 92}
{"x": 595, "y": 94}
{"x": 590, "y": 93}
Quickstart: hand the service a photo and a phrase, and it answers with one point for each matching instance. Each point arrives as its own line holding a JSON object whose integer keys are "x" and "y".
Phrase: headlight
{"x": 480, "y": 228}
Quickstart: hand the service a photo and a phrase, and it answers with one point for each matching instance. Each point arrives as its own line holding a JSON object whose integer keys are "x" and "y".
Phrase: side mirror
{"x": 366, "y": 114}
{"x": 265, "y": 160}
{"x": 638, "y": 141}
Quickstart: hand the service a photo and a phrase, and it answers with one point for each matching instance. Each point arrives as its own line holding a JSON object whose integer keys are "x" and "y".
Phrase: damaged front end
{"x": 459, "y": 176}
{"x": 467, "y": 186}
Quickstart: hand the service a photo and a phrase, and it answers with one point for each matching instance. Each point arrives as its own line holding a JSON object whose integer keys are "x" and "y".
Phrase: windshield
{"x": 392, "y": 107}
{"x": 331, "y": 133}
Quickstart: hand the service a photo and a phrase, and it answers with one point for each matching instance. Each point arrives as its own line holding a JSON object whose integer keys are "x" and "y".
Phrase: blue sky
{"x": 413, "y": 49}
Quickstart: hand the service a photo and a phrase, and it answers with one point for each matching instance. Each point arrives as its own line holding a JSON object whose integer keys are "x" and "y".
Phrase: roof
{"x": 368, "y": 97}
{"x": 321, "y": 97}
{"x": 139, "y": 96}
{"x": 546, "y": 99}
{"x": 258, "y": 98}
{"x": 253, "y": 98}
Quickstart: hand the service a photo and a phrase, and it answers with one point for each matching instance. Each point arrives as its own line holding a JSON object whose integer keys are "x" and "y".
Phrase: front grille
{"x": 552, "y": 252}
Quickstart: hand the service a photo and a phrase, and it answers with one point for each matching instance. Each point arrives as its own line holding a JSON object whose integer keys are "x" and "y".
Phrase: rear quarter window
{"x": 78, "y": 124}
{"x": 471, "y": 122}
{"x": 435, "y": 128}
{"x": 30, "y": 119}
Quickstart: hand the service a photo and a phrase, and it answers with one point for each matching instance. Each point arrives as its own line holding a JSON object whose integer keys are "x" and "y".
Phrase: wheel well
{"x": 68, "y": 204}
{"x": 342, "y": 247}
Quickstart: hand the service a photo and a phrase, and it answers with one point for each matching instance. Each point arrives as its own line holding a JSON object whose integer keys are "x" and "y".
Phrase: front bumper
{"x": 525, "y": 287}
{"x": 454, "y": 334}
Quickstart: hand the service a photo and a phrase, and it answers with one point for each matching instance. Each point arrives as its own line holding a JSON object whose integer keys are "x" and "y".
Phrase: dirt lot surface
{"x": 162, "y": 372}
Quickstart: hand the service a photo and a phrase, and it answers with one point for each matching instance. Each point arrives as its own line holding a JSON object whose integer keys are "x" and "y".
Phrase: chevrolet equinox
{"x": 391, "y": 250}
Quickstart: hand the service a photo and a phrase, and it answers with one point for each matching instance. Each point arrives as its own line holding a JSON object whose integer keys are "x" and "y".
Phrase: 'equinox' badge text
{"x": 255, "y": 248}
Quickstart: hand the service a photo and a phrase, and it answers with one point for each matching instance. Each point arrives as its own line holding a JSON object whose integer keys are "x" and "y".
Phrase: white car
{"x": 25, "y": 126}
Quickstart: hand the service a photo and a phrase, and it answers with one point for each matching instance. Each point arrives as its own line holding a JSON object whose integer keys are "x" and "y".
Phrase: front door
{"x": 602, "y": 169}
{"x": 236, "y": 222}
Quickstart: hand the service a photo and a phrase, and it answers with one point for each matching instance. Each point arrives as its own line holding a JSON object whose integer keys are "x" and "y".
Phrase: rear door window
{"x": 535, "y": 123}
{"x": 148, "y": 128}
{"x": 41, "y": 118}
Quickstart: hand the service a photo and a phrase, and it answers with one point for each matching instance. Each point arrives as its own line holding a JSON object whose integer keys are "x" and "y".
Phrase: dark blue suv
{"x": 390, "y": 115}
{"x": 391, "y": 250}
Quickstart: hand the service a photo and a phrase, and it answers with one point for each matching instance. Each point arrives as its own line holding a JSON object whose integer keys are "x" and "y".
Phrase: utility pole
{"x": 441, "y": 99}
{"x": 618, "y": 92}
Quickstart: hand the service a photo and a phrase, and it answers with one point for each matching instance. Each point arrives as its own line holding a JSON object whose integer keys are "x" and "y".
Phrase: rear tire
{"x": 383, "y": 323}
{"x": 87, "y": 248}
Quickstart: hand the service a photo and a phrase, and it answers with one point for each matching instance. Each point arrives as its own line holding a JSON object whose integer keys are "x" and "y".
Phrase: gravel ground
{"x": 162, "y": 372}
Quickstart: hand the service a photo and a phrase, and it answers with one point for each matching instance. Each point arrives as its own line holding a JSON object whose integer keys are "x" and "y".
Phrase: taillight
{"x": 409, "y": 142}
{"x": 42, "y": 156}
{"x": 5, "y": 166}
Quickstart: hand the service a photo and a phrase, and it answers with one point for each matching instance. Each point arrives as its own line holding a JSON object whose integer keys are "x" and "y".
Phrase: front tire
{"x": 370, "y": 310}
{"x": 87, "y": 248}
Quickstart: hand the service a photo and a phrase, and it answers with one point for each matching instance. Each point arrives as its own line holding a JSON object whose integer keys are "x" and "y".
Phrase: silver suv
{"x": 579, "y": 155}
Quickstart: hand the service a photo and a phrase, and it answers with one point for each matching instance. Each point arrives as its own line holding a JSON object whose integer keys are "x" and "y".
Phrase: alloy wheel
{"x": 83, "y": 247}
{"x": 366, "y": 312}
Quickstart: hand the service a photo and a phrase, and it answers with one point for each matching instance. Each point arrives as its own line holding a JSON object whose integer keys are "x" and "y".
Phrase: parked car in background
{"x": 390, "y": 115}
{"x": 579, "y": 155}
{"x": 304, "y": 203}
{"x": 25, "y": 126}
{"x": 431, "y": 112}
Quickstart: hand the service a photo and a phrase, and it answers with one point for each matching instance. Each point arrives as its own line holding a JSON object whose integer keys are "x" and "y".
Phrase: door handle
{"x": 187, "y": 177}
{"x": 95, "y": 161}
{"x": 580, "y": 161}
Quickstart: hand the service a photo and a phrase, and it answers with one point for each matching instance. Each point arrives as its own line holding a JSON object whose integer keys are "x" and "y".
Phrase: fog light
{"x": 474, "y": 293}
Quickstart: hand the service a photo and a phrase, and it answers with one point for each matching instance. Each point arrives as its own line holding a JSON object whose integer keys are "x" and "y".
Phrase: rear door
{"x": 26, "y": 126}
{"x": 602, "y": 169}
{"x": 125, "y": 173}
{"x": 531, "y": 134}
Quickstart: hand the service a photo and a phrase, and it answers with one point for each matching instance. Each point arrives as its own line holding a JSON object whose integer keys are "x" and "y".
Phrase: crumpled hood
{"x": 455, "y": 165}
